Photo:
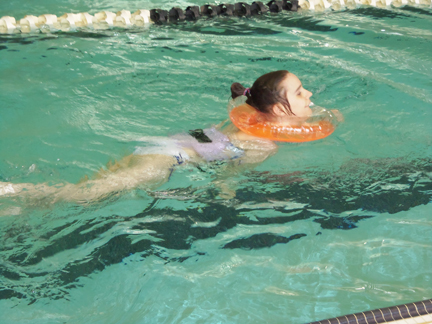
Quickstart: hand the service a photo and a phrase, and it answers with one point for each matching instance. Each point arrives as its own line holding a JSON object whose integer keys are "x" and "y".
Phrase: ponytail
{"x": 237, "y": 90}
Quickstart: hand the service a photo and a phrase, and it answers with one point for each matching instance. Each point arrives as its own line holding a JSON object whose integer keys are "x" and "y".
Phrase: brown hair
{"x": 265, "y": 92}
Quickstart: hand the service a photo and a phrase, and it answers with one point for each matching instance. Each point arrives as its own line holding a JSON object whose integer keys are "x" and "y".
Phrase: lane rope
{"x": 70, "y": 22}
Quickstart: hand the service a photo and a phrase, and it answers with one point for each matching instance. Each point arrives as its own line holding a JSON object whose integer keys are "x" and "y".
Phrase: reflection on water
{"x": 84, "y": 242}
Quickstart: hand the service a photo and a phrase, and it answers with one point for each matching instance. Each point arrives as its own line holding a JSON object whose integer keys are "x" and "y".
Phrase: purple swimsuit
{"x": 210, "y": 144}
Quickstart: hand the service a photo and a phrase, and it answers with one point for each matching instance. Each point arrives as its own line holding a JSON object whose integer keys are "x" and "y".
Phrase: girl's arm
{"x": 256, "y": 151}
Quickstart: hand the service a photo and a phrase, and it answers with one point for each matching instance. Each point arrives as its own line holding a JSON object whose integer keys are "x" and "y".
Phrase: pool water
{"x": 319, "y": 230}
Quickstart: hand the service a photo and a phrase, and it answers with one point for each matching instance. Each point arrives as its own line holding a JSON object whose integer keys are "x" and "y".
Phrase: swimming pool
{"x": 319, "y": 230}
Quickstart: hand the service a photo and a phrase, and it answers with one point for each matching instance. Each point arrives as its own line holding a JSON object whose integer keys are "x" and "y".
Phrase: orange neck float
{"x": 254, "y": 123}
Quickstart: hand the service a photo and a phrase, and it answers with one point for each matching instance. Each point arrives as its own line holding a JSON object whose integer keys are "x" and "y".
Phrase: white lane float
{"x": 399, "y": 3}
{"x": 123, "y": 19}
{"x": 8, "y": 25}
{"x": 48, "y": 23}
{"x": 68, "y": 21}
{"x": 104, "y": 20}
{"x": 29, "y": 24}
{"x": 141, "y": 17}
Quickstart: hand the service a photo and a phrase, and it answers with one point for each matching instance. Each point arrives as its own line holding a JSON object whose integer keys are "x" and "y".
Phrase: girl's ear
{"x": 278, "y": 110}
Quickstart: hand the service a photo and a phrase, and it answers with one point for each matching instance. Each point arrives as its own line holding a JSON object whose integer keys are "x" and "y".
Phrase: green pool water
{"x": 319, "y": 230}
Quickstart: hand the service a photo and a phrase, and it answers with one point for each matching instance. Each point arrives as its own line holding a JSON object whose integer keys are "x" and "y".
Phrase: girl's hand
{"x": 225, "y": 190}
{"x": 338, "y": 115}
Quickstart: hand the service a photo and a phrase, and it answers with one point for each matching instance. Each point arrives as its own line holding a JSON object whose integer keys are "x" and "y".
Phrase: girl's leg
{"x": 148, "y": 170}
{"x": 134, "y": 170}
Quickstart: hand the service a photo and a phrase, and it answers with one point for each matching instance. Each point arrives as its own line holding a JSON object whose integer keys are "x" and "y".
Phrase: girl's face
{"x": 298, "y": 98}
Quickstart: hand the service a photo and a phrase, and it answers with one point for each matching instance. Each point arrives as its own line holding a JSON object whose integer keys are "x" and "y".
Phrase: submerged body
{"x": 278, "y": 95}
{"x": 151, "y": 166}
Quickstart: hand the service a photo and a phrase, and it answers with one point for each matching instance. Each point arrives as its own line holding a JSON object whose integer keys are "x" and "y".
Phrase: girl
{"x": 278, "y": 95}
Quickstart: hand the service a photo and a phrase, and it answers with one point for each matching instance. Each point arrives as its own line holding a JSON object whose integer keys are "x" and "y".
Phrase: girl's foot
{"x": 6, "y": 188}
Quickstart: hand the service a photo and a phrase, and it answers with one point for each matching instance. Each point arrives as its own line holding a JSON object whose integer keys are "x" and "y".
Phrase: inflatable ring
{"x": 253, "y": 122}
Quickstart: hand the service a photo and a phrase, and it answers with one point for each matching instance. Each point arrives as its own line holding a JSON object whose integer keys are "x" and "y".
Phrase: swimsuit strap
{"x": 199, "y": 135}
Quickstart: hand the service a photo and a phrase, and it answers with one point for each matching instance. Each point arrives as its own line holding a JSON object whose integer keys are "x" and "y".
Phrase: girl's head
{"x": 278, "y": 93}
